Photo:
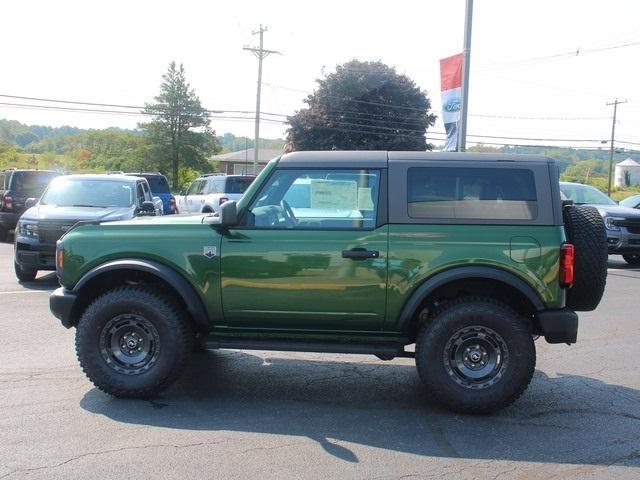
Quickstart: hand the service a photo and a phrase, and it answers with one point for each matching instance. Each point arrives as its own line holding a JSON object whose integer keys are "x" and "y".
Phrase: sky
{"x": 543, "y": 69}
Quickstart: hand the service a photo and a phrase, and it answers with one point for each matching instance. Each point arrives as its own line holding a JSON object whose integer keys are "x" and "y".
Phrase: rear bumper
{"x": 8, "y": 220}
{"x": 61, "y": 305}
{"x": 558, "y": 326}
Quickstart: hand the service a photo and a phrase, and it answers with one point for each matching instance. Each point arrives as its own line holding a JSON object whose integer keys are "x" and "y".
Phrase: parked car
{"x": 71, "y": 199}
{"x": 16, "y": 186}
{"x": 160, "y": 188}
{"x": 207, "y": 192}
{"x": 621, "y": 221}
{"x": 467, "y": 256}
{"x": 631, "y": 202}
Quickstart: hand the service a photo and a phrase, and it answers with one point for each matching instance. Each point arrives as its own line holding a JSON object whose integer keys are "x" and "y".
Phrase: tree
{"x": 362, "y": 106}
{"x": 179, "y": 132}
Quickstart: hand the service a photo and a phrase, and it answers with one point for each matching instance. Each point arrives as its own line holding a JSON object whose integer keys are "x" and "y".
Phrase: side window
{"x": 140, "y": 194}
{"x": 195, "y": 187}
{"x": 147, "y": 192}
{"x": 299, "y": 199}
{"x": 213, "y": 186}
{"x": 471, "y": 193}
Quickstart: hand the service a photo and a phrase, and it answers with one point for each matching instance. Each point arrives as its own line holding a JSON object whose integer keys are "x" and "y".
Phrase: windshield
{"x": 33, "y": 182}
{"x": 80, "y": 192}
{"x": 585, "y": 194}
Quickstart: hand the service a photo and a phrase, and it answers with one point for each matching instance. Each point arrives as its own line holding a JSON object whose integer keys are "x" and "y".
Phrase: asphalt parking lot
{"x": 242, "y": 414}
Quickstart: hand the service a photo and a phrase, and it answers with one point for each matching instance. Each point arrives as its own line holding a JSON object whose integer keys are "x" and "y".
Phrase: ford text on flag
{"x": 451, "y": 88}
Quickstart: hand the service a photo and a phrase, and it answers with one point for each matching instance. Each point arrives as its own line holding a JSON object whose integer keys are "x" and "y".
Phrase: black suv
{"x": 17, "y": 187}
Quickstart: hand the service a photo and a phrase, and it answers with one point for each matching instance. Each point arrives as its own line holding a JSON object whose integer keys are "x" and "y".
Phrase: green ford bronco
{"x": 470, "y": 257}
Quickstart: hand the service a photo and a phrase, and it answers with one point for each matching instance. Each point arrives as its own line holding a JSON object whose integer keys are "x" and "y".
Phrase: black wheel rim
{"x": 476, "y": 357}
{"x": 129, "y": 344}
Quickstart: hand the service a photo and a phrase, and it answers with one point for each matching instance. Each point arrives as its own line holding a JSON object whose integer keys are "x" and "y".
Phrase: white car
{"x": 208, "y": 192}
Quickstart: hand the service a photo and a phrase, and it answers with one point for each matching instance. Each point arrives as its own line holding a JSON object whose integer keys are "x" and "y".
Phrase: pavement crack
{"x": 106, "y": 452}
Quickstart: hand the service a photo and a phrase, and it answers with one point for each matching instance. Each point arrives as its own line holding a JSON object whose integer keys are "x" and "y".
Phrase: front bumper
{"x": 623, "y": 242}
{"x": 31, "y": 254}
{"x": 61, "y": 303}
{"x": 558, "y": 326}
{"x": 8, "y": 220}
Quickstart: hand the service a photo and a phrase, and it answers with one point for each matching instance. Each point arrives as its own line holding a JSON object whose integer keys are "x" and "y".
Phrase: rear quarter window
{"x": 158, "y": 183}
{"x": 237, "y": 184}
{"x": 32, "y": 181}
{"x": 471, "y": 193}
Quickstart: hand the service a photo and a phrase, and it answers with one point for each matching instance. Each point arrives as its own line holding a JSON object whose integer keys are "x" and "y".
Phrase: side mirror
{"x": 31, "y": 202}
{"x": 228, "y": 214}
{"x": 148, "y": 208}
{"x": 182, "y": 193}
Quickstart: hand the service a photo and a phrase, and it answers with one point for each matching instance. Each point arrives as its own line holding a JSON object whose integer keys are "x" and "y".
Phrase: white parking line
{"x": 16, "y": 292}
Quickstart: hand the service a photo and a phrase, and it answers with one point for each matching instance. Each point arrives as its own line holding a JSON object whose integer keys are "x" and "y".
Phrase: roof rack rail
{"x": 214, "y": 175}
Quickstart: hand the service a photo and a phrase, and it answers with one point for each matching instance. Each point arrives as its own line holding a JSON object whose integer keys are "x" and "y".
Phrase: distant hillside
{"x": 41, "y": 139}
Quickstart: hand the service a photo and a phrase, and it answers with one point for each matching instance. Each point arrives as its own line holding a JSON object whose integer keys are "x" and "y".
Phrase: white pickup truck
{"x": 207, "y": 192}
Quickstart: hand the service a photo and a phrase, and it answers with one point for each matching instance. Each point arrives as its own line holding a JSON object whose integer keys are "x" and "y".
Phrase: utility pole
{"x": 260, "y": 53}
{"x": 613, "y": 136}
{"x": 466, "y": 57}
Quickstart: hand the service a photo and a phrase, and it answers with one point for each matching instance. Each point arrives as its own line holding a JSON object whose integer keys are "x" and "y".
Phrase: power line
{"x": 371, "y": 126}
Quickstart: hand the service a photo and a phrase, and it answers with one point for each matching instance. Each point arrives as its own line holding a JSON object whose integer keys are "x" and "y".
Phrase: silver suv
{"x": 208, "y": 192}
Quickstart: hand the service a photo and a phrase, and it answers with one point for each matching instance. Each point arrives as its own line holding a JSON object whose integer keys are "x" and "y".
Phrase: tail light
{"x": 567, "y": 260}
{"x": 7, "y": 203}
{"x": 172, "y": 205}
{"x": 222, "y": 200}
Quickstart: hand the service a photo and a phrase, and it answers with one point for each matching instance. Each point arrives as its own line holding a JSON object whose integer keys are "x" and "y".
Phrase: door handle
{"x": 356, "y": 254}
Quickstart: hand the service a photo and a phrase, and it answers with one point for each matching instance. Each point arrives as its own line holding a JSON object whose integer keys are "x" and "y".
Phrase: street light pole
{"x": 613, "y": 135}
{"x": 466, "y": 58}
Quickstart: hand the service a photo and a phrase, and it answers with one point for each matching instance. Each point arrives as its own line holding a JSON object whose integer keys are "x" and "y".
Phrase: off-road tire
{"x": 585, "y": 230}
{"x": 23, "y": 274}
{"x": 632, "y": 259}
{"x": 482, "y": 312}
{"x": 165, "y": 315}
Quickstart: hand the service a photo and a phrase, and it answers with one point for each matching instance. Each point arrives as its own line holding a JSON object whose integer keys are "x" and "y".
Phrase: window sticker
{"x": 334, "y": 194}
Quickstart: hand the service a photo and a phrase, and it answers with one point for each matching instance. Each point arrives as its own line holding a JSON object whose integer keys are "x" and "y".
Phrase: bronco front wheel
{"x": 133, "y": 342}
{"x": 476, "y": 355}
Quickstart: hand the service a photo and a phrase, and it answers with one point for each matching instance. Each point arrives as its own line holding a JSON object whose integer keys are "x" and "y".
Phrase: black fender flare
{"x": 461, "y": 273}
{"x": 192, "y": 300}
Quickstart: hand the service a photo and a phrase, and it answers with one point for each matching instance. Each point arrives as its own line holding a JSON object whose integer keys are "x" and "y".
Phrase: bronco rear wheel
{"x": 133, "y": 342}
{"x": 475, "y": 355}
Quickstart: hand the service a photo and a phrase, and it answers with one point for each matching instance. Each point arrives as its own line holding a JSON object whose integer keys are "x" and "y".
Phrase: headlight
{"x": 28, "y": 229}
{"x": 609, "y": 223}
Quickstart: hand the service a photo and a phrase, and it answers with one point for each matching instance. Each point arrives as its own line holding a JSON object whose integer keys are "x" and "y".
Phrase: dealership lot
{"x": 238, "y": 414}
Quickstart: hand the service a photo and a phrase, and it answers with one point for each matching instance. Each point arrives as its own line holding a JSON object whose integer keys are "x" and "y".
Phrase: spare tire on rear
{"x": 585, "y": 230}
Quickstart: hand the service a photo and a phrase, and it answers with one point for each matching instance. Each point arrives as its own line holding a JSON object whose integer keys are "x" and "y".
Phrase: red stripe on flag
{"x": 451, "y": 72}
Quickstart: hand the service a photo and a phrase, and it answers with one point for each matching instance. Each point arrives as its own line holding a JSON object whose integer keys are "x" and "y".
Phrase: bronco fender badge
{"x": 209, "y": 252}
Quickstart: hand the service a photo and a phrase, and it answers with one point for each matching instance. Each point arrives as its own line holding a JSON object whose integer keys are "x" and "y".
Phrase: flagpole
{"x": 466, "y": 56}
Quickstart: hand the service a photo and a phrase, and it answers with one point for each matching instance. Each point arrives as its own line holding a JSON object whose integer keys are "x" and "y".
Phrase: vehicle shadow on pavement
{"x": 566, "y": 419}
{"x": 45, "y": 282}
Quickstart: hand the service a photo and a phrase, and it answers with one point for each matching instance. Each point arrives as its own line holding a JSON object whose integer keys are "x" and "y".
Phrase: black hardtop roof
{"x": 381, "y": 158}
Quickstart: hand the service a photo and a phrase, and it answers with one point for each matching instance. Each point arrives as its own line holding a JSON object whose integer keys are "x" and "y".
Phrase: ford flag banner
{"x": 451, "y": 88}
